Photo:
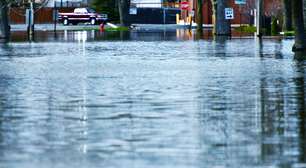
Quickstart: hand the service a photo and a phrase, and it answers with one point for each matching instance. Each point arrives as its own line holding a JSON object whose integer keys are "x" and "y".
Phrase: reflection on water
{"x": 93, "y": 35}
{"x": 154, "y": 99}
{"x": 135, "y": 35}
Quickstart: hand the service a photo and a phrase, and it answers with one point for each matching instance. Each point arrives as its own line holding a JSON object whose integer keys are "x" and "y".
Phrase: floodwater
{"x": 150, "y": 100}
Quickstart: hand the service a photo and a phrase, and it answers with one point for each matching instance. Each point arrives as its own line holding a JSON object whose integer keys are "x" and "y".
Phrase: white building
{"x": 147, "y": 3}
{"x": 66, "y": 3}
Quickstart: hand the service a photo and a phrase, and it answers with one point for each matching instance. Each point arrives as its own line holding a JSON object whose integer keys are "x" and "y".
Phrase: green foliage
{"x": 108, "y": 7}
{"x": 246, "y": 29}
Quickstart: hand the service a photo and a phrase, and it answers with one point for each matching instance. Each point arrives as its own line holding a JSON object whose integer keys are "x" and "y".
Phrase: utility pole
{"x": 259, "y": 17}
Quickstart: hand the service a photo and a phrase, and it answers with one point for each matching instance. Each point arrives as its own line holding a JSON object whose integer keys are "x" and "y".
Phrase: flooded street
{"x": 150, "y": 100}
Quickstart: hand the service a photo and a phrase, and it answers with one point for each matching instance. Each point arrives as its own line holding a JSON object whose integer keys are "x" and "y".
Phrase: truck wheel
{"x": 92, "y": 21}
{"x": 66, "y": 22}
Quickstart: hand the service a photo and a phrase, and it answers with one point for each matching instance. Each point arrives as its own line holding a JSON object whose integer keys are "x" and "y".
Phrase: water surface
{"x": 147, "y": 100}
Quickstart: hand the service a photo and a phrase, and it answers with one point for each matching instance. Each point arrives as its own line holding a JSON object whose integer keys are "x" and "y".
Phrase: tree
{"x": 108, "y": 7}
{"x": 116, "y": 9}
{"x": 287, "y": 26}
{"x": 298, "y": 22}
{"x": 221, "y": 25}
{"x": 200, "y": 16}
{"x": 4, "y": 20}
{"x": 4, "y": 17}
{"x": 124, "y": 7}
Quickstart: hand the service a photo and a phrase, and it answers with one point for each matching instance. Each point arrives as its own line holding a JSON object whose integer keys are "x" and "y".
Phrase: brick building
{"x": 242, "y": 14}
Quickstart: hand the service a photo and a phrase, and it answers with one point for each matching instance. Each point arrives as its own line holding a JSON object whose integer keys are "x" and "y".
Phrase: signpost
{"x": 30, "y": 21}
{"x": 191, "y": 18}
{"x": 55, "y": 16}
{"x": 229, "y": 13}
{"x": 184, "y": 5}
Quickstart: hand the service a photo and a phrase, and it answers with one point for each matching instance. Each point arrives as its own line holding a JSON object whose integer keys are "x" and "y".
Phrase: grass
{"x": 121, "y": 28}
{"x": 252, "y": 29}
{"x": 246, "y": 29}
{"x": 289, "y": 33}
{"x": 107, "y": 29}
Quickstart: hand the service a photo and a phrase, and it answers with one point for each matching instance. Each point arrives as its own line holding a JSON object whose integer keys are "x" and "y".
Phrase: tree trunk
{"x": 4, "y": 21}
{"x": 221, "y": 25}
{"x": 298, "y": 22}
{"x": 304, "y": 11}
{"x": 124, "y": 7}
{"x": 287, "y": 15}
{"x": 200, "y": 16}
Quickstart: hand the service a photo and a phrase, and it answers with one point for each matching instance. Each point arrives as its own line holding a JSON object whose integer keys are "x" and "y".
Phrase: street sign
{"x": 184, "y": 5}
{"x": 240, "y": 2}
{"x": 133, "y": 11}
{"x": 229, "y": 13}
{"x": 192, "y": 13}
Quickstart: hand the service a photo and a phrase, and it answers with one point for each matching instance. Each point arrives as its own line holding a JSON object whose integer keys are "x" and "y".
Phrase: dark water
{"x": 150, "y": 100}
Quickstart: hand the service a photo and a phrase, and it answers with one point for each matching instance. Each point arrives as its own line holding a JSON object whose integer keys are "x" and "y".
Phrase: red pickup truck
{"x": 82, "y": 15}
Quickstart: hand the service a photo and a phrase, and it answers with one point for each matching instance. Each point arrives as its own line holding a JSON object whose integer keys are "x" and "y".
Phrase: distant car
{"x": 82, "y": 15}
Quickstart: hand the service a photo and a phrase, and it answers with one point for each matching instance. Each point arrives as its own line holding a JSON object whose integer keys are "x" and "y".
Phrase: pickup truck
{"x": 82, "y": 15}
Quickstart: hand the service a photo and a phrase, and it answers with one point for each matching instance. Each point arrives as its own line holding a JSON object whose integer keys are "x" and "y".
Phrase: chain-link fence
{"x": 148, "y": 4}
{"x": 154, "y": 13}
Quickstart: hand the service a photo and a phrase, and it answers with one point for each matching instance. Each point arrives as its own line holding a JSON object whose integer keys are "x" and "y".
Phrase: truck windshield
{"x": 91, "y": 10}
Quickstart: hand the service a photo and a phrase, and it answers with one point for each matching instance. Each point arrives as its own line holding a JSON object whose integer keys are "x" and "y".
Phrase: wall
{"x": 243, "y": 14}
{"x": 44, "y": 15}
